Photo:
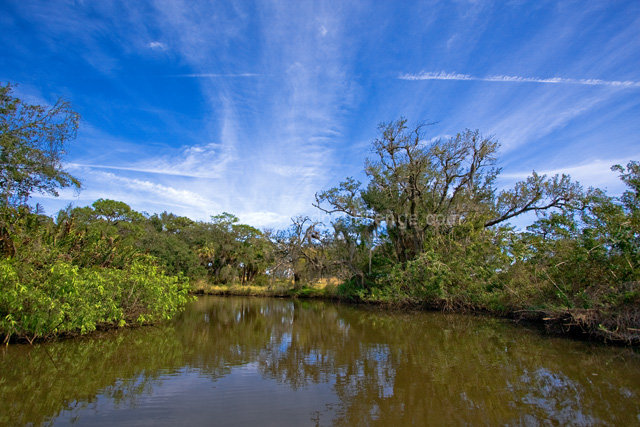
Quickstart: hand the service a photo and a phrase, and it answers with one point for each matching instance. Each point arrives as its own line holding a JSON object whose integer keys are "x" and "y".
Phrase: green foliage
{"x": 83, "y": 271}
{"x": 173, "y": 240}
{"x": 63, "y": 298}
{"x": 416, "y": 188}
{"x": 32, "y": 139}
{"x": 583, "y": 252}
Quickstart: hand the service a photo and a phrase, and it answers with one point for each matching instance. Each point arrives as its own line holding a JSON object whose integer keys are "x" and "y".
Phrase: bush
{"x": 40, "y": 302}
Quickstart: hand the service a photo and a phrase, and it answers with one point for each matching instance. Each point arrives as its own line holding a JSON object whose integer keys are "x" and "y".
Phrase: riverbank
{"x": 321, "y": 289}
{"x": 609, "y": 327}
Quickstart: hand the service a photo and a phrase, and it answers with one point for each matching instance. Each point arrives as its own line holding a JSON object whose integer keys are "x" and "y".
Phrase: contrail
{"x": 517, "y": 79}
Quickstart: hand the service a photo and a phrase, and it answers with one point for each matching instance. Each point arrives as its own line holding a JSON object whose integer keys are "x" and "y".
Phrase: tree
{"x": 32, "y": 140}
{"x": 418, "y": 187}
{"x": 352, "y": 247}
{"x": 301, "y": 249}
{"x": 252, "y": 250}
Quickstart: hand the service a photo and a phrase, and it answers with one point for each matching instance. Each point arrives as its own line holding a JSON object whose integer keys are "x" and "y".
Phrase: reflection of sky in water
{"x": 243, "y": 397}
{"x": 285, "y": 342}
{"x": 557, "y": 396}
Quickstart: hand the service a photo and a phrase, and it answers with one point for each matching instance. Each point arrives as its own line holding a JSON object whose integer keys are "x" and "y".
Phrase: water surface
{"x": 240, "y": 361}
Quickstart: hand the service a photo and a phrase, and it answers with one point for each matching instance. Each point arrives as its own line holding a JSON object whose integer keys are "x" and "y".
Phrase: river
{"x": 253, "y": 361}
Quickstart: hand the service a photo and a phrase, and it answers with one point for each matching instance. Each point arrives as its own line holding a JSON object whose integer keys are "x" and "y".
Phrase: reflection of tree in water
{"x": 388, "y": 368}
{"x": 300, "y": 352}
{"x": 38, "y": 382}
{"x": 412, "y": 368}
{"x": 417, "y": 367}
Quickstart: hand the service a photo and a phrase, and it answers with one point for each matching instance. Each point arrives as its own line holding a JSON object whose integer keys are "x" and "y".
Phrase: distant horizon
{"x": 198, "y": 109}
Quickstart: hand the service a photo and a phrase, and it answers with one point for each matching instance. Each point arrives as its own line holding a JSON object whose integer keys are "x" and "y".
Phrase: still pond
{"x": 253, "y": 361}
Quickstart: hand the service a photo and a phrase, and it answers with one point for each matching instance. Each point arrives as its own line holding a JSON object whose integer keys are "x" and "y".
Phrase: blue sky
{"x": 252, "y": 107}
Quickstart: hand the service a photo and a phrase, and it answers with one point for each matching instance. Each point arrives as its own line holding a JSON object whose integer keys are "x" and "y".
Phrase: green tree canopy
{"x": 420, "y": 186}
{"x": 32, "y": 140}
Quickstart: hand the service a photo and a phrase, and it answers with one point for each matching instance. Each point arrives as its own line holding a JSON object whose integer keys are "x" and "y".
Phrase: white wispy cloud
{"x": 142, "y": 193}
{"x": 264, "y": 218}
{"x": 171, "y": 171}
{"x": 596, "y": 172}
{"x": 216, "y": 75}
{"x": 275, "y": 137}
{"x": 198, "y": 161}
{"x": 294, "y": 171}
{"x": 159, "y": 192}
{"x": 518, "y": 79}
{"x": 156, "y": 45}
{"x": 519, "y": 123}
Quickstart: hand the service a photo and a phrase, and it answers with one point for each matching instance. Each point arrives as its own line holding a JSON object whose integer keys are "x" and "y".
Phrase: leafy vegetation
{"x": 32, "y": 138}
{"x": 429, "y": 228}
{"x": 84, "y": 270}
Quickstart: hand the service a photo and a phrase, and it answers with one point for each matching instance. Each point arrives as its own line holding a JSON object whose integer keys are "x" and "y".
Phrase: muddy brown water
{"x": 253, "y": 361}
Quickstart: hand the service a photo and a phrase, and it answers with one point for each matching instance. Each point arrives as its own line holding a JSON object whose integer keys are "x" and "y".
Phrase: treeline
{"x": 428, "y": 228}
{"x": 431, "y": 228}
